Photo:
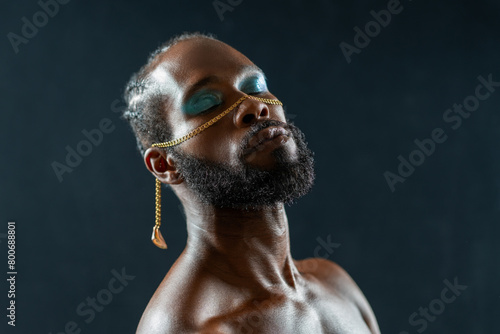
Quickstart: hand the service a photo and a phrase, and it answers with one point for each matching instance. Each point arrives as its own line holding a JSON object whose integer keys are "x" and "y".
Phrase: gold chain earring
{"x": 157, "y": 237}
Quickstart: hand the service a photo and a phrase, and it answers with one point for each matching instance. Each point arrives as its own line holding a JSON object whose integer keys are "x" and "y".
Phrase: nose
{"x": 249, "y": 112}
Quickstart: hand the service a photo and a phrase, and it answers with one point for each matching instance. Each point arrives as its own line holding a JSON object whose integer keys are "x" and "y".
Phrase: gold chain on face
{"x": 157, "y": 238}
{"x": 215, "y": 119}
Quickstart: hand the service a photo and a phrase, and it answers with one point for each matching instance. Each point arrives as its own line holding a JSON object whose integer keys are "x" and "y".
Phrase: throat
{"x": 251, "y": 251}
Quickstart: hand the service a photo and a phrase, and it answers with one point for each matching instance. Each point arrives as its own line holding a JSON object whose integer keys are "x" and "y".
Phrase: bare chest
{"x": 322, "y": 315}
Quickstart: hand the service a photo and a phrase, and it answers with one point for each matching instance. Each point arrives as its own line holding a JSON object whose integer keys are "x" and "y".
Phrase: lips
{"x": 265, "y": 135}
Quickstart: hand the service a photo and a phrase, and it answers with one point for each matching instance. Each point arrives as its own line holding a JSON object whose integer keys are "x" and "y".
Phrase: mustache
{"x": 256, "y": 127}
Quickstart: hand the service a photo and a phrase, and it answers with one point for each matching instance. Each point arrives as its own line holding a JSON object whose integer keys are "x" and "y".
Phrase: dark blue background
{"x": 441, "y": 223}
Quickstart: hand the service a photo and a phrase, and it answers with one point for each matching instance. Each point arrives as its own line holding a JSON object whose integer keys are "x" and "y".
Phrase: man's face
{"x": 201, "y": 78}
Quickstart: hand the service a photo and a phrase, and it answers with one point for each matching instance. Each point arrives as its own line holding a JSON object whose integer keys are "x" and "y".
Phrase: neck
{"x": 249, "y": 249}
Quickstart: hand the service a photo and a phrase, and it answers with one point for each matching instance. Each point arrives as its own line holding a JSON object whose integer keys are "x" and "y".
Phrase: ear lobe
{"x": 162, "y": 166}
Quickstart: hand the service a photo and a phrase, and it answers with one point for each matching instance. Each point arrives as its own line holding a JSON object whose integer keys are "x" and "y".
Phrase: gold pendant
{"x": 157, "y": 238}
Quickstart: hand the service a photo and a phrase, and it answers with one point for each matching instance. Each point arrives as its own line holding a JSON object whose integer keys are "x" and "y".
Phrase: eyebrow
{"x": 215, "y": 79}
{"x": 252, "y": 68}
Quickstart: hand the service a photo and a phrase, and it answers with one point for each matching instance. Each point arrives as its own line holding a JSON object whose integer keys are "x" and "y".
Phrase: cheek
{"x": 213, "y": 146}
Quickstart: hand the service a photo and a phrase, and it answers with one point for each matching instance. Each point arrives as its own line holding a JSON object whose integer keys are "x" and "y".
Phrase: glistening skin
{"x": 237, "y": 254}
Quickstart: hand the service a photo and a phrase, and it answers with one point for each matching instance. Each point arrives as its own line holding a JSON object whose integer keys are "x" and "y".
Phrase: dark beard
{"x": 248, "y": 187}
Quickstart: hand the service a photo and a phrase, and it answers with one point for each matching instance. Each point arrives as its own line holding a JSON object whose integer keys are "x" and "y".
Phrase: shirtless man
{"x": 236, "y": 273}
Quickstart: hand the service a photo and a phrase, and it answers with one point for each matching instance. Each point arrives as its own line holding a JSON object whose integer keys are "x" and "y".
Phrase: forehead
{"x": 188, "y": 61}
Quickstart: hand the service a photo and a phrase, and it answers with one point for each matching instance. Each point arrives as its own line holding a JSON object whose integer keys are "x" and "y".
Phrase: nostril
{"x": 248, "y": 118}
{"x": 264, "y": 112}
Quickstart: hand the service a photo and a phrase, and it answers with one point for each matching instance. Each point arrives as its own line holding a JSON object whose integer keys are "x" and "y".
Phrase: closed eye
{"x": 202, "y": 102}
{"x": 254, "y": 85}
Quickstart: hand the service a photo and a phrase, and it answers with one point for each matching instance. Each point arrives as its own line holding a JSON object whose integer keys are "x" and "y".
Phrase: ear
{"x": 162, "y": 166}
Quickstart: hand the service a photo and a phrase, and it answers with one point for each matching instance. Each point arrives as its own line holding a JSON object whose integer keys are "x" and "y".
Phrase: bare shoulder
{"x": 184, "y": 303}
{"x": 158, "y": 320}
{"x": 337, "y": 280}
{"x": 168, "y": 310}
{"x": 330, "y": 274}
{"x": 162, "y": 316}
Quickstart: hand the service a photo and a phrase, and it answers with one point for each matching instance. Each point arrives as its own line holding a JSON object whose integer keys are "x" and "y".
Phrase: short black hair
{"x": 144, "y": 110}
